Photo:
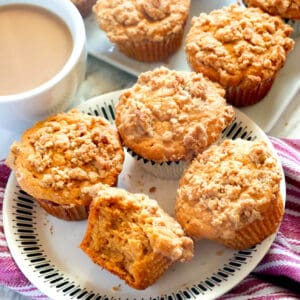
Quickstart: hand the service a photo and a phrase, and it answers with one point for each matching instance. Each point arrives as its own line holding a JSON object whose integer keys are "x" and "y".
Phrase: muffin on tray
{"x": 288, "y": 10}
{"x": 231, "y": 194}
{"x": 171, "y": 116}
{"x": 146, "y": 30}
{"x": 241, "y": 48}
{"x": 132, "y": 237}
{"x": 59, "y": 156}
{"x": 84, "y": 6}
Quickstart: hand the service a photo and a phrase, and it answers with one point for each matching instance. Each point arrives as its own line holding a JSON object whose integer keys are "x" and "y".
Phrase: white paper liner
{"x": 166, "y": 170}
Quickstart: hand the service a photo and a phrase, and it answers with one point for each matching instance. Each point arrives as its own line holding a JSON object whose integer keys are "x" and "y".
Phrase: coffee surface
{"x": 35, "y": 44}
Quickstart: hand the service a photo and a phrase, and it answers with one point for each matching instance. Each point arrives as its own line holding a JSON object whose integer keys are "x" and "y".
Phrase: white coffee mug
{"x": 20, "y": 111}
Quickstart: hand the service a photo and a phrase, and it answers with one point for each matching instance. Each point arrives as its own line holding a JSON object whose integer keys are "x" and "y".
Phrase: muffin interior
{"x": 119, "y": 242}
{"x": 131, "y": 236}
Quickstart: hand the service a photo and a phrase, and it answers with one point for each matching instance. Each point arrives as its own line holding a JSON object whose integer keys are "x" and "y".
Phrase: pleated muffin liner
{"x": 256, "y": 231}
{"x": 71, "y": 212}
{"x": 240, "y": 96}
{"x": 151, "y": 51}
{"x": 166, "y": 170}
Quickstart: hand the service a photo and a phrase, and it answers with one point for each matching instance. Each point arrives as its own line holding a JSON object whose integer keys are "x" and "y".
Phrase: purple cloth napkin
{"x": 276, "y": 277}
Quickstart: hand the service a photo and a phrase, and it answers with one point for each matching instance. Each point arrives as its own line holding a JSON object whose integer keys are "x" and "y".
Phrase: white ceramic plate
{"x": 46, "y": 249}
{"x": 264, "y": 114}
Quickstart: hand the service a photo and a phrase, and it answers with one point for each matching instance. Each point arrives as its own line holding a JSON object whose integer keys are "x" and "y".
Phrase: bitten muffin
{"x": 84, "y": 6}
{"x": 171, "y": 116}
{"x": 231, "y": 194}
{"x": 241, "y": 48}
{"x": 146, "y": 30}
{"x": 288, "y": 10}
{"x": 59, "y": 156}
{"x": 132, "y": 237}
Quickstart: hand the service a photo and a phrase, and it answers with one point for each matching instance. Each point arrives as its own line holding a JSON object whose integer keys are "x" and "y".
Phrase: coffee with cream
{"x": 35, "y": 44}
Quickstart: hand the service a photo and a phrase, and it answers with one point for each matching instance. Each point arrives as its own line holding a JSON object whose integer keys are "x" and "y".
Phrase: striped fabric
{"x": 276, "y": 277}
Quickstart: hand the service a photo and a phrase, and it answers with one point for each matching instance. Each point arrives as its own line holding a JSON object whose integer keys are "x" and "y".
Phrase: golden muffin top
{"x": 227, "y": 187}
{"x": 235, "y": 44}
{"x": 58, "y": 156}
{"x": 141, "y": 19}
{"x": 172, "y": 115}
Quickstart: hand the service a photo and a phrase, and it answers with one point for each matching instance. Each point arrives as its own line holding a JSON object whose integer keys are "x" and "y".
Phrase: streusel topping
{"x": 160, "y": 232}
{"x": 67, "y": 151}
{"x": 284, "y": 8}
{"x": 230, "y": 184}
{"x": 236, "y": 43}
{"x": 141, "y": 19}
{"x": 171, "y": 115}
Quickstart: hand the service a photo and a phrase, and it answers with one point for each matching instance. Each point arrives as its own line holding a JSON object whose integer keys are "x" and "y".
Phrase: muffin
{"x": 84, "y": 6}
{"x": 59, "y": 156}
{"x": 288, "y": 10}
{"x": 231, "y": 194}
{"x": 171, "y": 116}
{"x": 241, "y": 48}
{"x": 132, "y": 237}
{"x": 146, "y": 30}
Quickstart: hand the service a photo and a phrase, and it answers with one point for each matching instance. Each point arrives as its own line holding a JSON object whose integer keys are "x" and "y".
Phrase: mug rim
{"x": 78, "y": 38}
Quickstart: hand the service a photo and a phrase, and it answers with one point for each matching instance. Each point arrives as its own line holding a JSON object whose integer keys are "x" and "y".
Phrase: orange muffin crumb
{"x": 132, "y": 237}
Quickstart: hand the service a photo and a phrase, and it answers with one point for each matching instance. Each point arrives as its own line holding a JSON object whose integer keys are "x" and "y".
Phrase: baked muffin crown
{"x": 59, "y": 155}
{"x": 228, "y": 187}
{"x": 142, "y": 19}
{"x": 172, "y": 115}
{"x": 289, "y": 9}
{"x": 237, "y": 44}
